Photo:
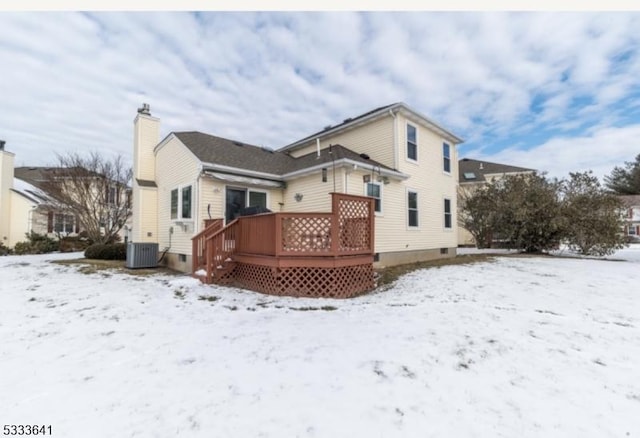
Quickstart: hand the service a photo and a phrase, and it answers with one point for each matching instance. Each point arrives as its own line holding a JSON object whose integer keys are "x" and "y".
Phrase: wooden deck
{"x": 297, "y": 254}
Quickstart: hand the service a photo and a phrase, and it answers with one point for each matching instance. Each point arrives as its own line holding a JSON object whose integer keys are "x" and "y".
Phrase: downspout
{"x": 395, "y": 139}
{"x": 196, "y": 225}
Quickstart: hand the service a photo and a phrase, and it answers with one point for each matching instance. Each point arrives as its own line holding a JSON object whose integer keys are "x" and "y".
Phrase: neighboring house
{"x": 475, "y": 173}
{"x": 404, "y": 161}
{"x": 23, "y": 206}
{"x": 632, "y": 216}
{"x": 26, "y": 204}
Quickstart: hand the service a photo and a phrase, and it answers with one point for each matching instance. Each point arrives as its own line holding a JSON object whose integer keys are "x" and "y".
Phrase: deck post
{"x": 278, "y": 234}
{"x": 335, "y": 224}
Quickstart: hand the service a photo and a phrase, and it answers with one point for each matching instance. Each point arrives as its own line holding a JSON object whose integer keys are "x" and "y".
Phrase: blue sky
{"x": 555, "y": 91}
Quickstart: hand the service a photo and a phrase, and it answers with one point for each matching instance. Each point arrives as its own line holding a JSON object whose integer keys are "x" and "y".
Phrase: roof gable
{"x": 382, "y": 111}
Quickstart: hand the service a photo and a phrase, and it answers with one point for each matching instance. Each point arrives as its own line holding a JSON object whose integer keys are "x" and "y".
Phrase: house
{"x": 25, "y": 207}
{"x": 393, "y": 157}
{"x": 632, "y": 216}
{"x": 28, "y": 202}
{"x": 473, "y": 174}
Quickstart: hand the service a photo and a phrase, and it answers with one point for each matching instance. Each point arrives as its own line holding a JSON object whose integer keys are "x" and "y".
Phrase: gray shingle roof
{"x": 217, "y": 150}
{"x": 211, "y": 149}
{"x": 470, "y": 171}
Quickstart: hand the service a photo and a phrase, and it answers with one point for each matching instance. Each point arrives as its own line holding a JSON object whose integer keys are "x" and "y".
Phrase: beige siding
{"x": 211, "y": 194}
{"x": 176, "y": 167}
{"x": 145, "y": 211}
{"x": 21, "y": 215}
{"x": 427, "y": 178}
{"x": 146, "y": 135}
{"x": 374, "y": 138}
{"x": 315, "y": 193}
{"x": 6, "y": 183}
{"x": 432, "y": 184}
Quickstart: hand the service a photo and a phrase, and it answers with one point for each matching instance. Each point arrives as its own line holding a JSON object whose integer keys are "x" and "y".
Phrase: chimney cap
{"x": 146, "y": 110}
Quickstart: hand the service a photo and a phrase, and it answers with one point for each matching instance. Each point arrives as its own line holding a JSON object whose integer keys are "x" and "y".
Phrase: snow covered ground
{"x": 514, "y": 347}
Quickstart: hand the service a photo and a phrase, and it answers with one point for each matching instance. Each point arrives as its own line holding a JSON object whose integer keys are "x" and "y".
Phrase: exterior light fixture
{"x": 324, "y": 174}
{"x": 298, "y": 197}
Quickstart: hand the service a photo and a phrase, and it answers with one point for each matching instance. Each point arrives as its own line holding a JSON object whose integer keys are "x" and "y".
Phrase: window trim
{"x": 247, "y": 190}
{"x": 65, "y": 216}
{"x": 179, "y": 213}
{"x": 445, "y": 158}
{"x": 182, "y": 216}
{"x": 365, "y": 191}
{"x": 248, "y": 198}
{"x": 417, "y": 209}
{"x": 406, "y": 156}
{"x": 444, "y": 214}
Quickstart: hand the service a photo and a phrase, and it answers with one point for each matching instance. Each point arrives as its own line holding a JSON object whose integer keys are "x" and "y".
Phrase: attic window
{"x": 469, "y": 175}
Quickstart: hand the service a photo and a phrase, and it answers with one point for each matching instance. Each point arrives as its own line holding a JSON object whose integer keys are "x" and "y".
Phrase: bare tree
{"x": 95, "y": 190}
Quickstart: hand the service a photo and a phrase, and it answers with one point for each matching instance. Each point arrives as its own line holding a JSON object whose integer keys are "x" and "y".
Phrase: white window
{"x": 447, "y": 213}
{"x": 412, "y": 208}
{"x": 446, "y": 157}
{"x": 63, "y": 223}
{"x": 186, "y": 203}
{"x": 174, "y": 204}
{"x": 374, "y": 190}
{"x": 412, "y": 142}
{"x": 112, "y": 195}
{"x": 257, "y": 199}
{"x": 181, "y": 203}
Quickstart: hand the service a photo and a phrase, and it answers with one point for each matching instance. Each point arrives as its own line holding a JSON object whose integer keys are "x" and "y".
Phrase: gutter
{"x": 395, "y": 138}
{"x": 238, "y": 171}
{"x": 345, "y": 162}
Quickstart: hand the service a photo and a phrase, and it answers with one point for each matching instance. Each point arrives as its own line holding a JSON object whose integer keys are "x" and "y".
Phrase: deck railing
{"x": 212, "y": 226}
{"x": 220, "y": 248}
{"x": 347, "y": 230}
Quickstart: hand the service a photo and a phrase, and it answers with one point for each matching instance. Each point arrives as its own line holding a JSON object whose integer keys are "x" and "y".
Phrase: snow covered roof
{"x": 31, "y": 192}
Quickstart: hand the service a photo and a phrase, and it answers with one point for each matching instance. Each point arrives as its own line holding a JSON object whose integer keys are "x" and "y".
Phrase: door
{"x": 236, "y": 200}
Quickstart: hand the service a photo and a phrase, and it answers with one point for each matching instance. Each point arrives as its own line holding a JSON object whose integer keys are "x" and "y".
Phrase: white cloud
{"x": 75, "y": 80}
{"x": 600, "y": 152}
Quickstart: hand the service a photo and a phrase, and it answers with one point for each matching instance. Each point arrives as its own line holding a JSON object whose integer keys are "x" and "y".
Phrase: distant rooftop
{"x": 471, "y": 171}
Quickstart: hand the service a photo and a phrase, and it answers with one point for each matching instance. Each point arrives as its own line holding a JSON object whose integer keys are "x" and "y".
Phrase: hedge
{"x": 112, "y": 251}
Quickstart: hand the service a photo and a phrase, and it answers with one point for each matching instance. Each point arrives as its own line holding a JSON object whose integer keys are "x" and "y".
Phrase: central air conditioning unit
{"x": 142, "y": 255}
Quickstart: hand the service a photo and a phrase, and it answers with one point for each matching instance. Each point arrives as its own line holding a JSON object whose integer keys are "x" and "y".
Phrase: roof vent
{"x": 145, "y": 109}
{"x": 326, "y": 128}
{"x": 481, "y": 166}
{"x": 364, "y": 156}
{"x": 266, "y": 149}
{"x": 2, "y": 143}
{"x": 347, "y": 120}
{"x": 237, "y": 143}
